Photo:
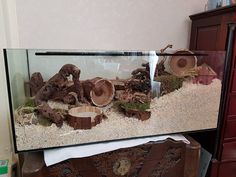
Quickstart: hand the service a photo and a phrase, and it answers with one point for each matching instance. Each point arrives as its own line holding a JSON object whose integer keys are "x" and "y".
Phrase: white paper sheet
{"x": 54, "y": 156}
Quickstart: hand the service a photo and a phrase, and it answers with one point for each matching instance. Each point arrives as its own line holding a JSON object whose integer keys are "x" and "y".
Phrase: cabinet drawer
{"x": 230, "y": 129}
{"x": 229, "y": 151}
{"x": 227, "y": 169}
{"x": 233, "y": 89}
{"x": 232, "y": 105}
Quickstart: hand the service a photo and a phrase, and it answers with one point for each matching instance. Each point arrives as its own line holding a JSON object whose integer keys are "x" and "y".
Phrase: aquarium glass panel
{"x": 69, "y": 97}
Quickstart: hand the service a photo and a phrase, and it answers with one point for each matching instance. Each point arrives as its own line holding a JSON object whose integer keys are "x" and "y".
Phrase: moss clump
{"x": 30, "y": 103}
{"x": 169, "y": 83}
{"x": 62, "y": 112}
{"x": 132, "y": 106}
{"x": 47, "y": 122}
{"x": 44, "y": 121}
{"x": 27, "y": 110}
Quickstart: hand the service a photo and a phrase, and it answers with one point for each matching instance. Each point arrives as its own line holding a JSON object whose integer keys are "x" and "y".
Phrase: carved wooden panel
{"x": 160, "y": 159}
{"x": 110, "y": 164}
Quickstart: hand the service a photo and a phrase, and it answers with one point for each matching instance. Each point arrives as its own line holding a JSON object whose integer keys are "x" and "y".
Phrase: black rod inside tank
{"x": 51, "y": 53}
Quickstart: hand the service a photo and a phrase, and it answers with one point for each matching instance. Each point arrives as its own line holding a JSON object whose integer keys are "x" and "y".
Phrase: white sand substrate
{"x": 192, "y": 107}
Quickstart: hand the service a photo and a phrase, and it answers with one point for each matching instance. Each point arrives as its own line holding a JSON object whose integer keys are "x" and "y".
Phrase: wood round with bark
{"x": 102, "y": 93}
{"x": 84, "y": 117}
{"x": 180, "y": 65}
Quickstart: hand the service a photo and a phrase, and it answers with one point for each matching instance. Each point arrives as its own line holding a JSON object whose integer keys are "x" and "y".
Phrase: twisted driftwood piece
{"x": 36, "y": 83}
{"x": 136, "y": 90}
{"x": 164, "y": 49}
{"x": 140, "y": 80}
{"x": 140, "y": 115}
{"x": 55, "y": 84}
{"x": 136, "y": 85}
{"x": 141, "y": 73}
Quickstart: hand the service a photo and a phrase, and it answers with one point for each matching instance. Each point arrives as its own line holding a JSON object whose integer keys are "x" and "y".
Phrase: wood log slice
{"x": 119, "y": 84}
{"x": 84, "y": 117}
{"x": 103, "y": 92}
{"x": 179, "y": 65}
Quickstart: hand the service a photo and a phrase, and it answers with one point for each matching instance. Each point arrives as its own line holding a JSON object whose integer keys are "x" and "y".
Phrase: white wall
{"x": 4, "y": 131}
{"x": 8, "y": 38}
{"x": 90, "y": 24}
{"x": 105, "y": 24}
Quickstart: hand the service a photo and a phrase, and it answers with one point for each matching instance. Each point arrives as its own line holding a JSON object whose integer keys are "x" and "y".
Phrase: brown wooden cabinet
{"x": 210, "y": 32}
{"x": 209, "y": 29}
{"x": 227, "y": 169}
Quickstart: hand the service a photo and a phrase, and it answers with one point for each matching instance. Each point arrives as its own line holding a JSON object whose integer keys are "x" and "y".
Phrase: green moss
{"x": 169, "y": 83}
{"x": 44, "y": 121}
{"x": 27, "y": 110}
{"x": 30, "y": 103}
{"x": 62, "y": 112}
{"x": 132, "y": 106}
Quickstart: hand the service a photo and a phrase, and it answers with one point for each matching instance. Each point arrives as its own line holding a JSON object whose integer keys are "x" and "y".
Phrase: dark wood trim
{"x": 226, "y": 90}
{"x": 214, "y": 168}
{"x": 214, "y": 12}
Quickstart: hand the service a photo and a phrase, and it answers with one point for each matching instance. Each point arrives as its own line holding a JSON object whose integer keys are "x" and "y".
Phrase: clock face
{"x": 122, "y": 166}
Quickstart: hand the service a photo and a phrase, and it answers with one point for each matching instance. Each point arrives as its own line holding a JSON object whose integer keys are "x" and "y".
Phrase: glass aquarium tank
{"x": 68, "y": 97}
